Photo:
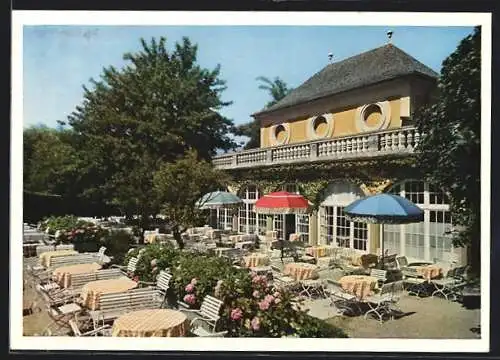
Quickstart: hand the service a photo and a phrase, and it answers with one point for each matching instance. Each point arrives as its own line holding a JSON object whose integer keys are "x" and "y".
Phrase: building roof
{"x": 373, "y": 66}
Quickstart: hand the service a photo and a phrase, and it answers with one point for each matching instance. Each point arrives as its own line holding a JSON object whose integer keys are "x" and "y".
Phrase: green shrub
{"x": 117, "y": 243}
{"x": 252, "y": 308}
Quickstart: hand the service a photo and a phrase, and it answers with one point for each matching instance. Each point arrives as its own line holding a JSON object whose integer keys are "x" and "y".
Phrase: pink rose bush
{"x": 189, "y": 288}
{"x": 190, "y": 299}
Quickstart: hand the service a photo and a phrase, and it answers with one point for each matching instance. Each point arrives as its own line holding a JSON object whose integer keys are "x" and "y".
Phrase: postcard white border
{"x": 22, "y": 18}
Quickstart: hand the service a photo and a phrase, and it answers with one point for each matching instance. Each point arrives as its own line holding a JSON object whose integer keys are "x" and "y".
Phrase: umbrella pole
{"x": 382, "y": 244}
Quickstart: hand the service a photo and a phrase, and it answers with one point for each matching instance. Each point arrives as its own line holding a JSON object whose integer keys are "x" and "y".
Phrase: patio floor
{"x": 425, "y": 318}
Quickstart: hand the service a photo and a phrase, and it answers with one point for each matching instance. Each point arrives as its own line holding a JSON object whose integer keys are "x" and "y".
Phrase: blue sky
{"x": 58, "y": 60}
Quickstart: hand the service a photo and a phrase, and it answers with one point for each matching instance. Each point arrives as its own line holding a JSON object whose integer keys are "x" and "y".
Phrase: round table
{"x": 301, "y": 271}
{"x": 359, "y": 285}
{"x": 92, "y": 291}
{"x": 62, "y": 275}
{"x": 47, "y": 256}
{"x": 429, "y": 272}
{"x": 256, "y": 260}
{"x": 151, "y": 323}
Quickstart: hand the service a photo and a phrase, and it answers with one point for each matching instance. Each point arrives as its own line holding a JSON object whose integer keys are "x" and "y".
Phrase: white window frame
{"x": 427, "y": 207}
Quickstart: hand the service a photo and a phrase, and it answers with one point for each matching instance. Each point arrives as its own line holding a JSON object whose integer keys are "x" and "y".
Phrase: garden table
{"x": 429, "y": 272}
{"x": 46, "y": 257}
{"x": 92, "y": 291}
{"x": 62, "y": 275}
{"x": 359, "y": 285}
{"x": 319, "y": 251}
{"x": 151, "y": 323}
{"x": 301, "y": 271}
{"x": 256, "y": 260}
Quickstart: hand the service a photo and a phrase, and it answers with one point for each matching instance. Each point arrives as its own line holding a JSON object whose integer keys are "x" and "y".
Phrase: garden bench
{"x": 113, "y": 305}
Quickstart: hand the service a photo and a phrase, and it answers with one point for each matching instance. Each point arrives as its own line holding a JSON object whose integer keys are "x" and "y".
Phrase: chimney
{"x": 389, "y": 36}
{"x": 330, "y": 57}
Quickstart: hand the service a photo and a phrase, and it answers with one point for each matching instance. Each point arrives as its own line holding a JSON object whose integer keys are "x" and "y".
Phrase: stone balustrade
{"x": 366, "y": 145}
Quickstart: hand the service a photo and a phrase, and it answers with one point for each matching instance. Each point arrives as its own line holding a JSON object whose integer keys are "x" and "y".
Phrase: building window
{"x": 320, "y": 127}
{"x": 360, "y": 235}
{"x": 372, "y": 117}
{"x": 278, "y": 225}
{"x": 427, "y": 240}
{"x": 440, "y": 241}
{"x": 336, "y": 229}
{"x": 343, "y": 229}
{"x": 262, "y": 223}
{"x": 302, "y": 227}
{"x": 279, "y": 134}
{"x": 247, "y": 218}
{"x": 224, "y": 219}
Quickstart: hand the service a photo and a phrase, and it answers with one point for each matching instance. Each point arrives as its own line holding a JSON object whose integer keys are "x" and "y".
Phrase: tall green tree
{"x": 179, "y": 185}
{"x": 49, "y": 161}
{"x": 450, "y": 151}
{"x": 152, "y": 111}
{"x": 277, "y": 89}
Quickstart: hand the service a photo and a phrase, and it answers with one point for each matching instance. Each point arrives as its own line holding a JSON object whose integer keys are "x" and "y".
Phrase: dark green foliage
{"x": 132, "y": 120}
{"x": 179, "y": 185}
{"x": 450, "y": 151}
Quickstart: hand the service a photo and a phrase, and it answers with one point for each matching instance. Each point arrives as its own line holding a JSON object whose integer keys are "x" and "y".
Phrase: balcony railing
{"x": 366, "y": 145}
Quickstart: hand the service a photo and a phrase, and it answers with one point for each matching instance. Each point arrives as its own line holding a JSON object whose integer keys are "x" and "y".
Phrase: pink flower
{"x": 153, "y": 263}
{"x": 277, "y": 294}
{"x": 194, "y": 281}
{"x": 189, "y": 288}
{"x": 190, "y": 299}
{"x": 269, "y": 299}
{"x": 236, "y": 314}
{"x": 255, "y": 323}
{"x": 256, "y": 294}
{"x": 264, "y": 305}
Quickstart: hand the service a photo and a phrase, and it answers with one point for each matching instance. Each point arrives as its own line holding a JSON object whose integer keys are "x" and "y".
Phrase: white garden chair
{"x": 209, "y": 314}
{"x": 380, "y": 303}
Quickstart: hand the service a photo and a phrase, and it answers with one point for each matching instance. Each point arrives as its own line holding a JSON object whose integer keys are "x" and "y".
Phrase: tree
{"x": 278, "y": 89}
{"x": 450, "y": 151}
{"x": 49, "y": 161}
{"x": 133, "y": 120}
{"x": 179, "y": 185}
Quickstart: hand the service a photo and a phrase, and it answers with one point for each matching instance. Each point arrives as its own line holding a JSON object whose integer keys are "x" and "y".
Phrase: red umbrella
{"x": 281, "y": 202}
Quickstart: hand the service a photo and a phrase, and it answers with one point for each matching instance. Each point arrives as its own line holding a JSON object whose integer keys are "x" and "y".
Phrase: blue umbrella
{"x": 218, "y": 199}
{"x": 384, "y": 209}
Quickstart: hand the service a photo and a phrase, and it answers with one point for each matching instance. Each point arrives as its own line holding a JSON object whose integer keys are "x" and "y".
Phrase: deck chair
{"x": 380, "y": 275}
{"x": 162, "y": 283}
{"x": 450, "y": 286}
{"x": 129, "y": 268}
{"x": 413, "y": 282}
{"x": 310, "y": 288}
{"x": 380, "y": 303}
{"x": 281, "y": 281}
{"x": 343, "y": 301}
{"x": 103, "y": 330}
{"x": 207, "y": 314}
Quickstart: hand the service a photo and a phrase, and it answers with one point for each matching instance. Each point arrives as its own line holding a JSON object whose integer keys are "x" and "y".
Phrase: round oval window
{"x": 372, "y": 115}
{"x": 320, "y": 126}
{"x": 280, "y": 133}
